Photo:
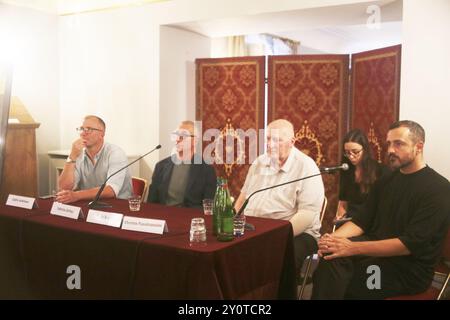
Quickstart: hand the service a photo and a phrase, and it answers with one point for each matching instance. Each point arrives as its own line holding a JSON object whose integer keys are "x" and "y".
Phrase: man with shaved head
{"x": 90, "y": 162}
{"x": 298, "y": 202}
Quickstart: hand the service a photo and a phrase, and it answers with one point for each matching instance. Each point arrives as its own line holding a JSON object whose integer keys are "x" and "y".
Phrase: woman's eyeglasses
{"x": 352, "y": 153}
{"x": 87, "y": 129}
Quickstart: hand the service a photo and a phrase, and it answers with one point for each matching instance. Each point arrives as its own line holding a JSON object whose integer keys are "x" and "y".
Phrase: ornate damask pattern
{"x": 230, "y": 96}
{"x": 311, "y": 92}
{"x": 375, "y": 94}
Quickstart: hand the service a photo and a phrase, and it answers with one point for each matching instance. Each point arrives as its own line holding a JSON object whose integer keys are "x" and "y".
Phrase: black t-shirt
{"x": 350, "y": 191}
{"x": 416, "y": 209}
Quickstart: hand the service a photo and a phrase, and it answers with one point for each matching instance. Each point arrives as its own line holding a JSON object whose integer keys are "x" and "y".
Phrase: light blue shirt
{"x": 108, "y": 160}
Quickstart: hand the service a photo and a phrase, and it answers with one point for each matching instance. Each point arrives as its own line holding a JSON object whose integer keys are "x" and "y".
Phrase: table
{"x": 36, "y": 249}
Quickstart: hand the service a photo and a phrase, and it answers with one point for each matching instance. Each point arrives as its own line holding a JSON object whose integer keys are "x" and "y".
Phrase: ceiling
{"x": 68, "y": 7}
{"x": 340, "y": 29}
{"x": 353, "y": 14}
{"x": 326, "y": 29}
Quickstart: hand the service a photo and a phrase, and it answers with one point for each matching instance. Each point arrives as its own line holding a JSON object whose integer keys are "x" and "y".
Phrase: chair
{"x": 310, "y": 258}
{"x": 140, "y": 187}
{"x": 442, "y": 269}
{"x": 339, "y": 223}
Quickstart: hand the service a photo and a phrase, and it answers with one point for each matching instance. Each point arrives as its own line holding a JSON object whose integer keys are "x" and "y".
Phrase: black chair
{"x": 310, "y": 258}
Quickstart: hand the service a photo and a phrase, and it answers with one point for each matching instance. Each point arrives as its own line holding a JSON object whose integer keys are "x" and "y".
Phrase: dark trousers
{"x": 351, "y": 278}
{"x": 304, "y": 245}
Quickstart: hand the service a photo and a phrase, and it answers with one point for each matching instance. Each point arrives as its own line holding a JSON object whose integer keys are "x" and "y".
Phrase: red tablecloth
{"x": 36, "y": 249}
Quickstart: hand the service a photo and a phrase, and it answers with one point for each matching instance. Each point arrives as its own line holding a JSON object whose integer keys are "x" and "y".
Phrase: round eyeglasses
{"x": 352, "y": 153}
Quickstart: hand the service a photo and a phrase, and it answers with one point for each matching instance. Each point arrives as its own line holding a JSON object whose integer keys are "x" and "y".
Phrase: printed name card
{"x": 66, "y": 211}
{"x": 21, "y": 202}
{"x": 145, "y": 225}
{"x": 106, "y": 218}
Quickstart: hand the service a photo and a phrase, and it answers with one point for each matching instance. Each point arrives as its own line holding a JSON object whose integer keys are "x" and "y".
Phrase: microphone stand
{"x": 97, "y": 204}
{"x": 322, "y": 171}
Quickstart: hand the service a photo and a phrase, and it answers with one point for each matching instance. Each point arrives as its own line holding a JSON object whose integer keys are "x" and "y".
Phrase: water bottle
{"x": 217, "y": 206}
{"x": 225, "y": 218}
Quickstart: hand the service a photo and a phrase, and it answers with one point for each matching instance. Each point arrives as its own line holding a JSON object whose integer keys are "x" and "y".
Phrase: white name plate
{"x": 21, "y": 202}
{"x": 106, "y": 218}
{"x": 145, "y": 225}
{"x": 66, "y": 211}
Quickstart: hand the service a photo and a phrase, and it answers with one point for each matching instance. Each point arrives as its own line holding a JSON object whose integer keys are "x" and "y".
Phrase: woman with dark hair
{"x": 364, "y": 170}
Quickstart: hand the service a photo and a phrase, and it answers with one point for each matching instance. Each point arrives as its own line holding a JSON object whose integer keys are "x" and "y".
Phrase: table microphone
{"x": 95, "y": 203}
{"x": 343, "y": 167}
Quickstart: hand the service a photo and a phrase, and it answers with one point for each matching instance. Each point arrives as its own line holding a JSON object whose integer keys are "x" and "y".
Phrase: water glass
{"x": 239, "y": 225}
{"x": 197, "y": 234}
{"x": 134, "y": 202}
{"x": 208, "y": 206}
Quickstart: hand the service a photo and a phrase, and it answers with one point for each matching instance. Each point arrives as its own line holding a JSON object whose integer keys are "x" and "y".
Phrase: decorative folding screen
{"x": 230, "y": 96}
{"x": 311, "y": 91}
{"x": 375, "y": 94}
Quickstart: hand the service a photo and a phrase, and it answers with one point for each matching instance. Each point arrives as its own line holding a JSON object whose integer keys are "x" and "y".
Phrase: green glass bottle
{"x": 217, "y": 206}
{"x": 226, "y": 217}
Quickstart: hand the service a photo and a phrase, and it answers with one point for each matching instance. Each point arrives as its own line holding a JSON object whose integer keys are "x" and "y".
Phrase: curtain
{"x": 237, "y": 46}
{"x": 230, "y": 98}
{"x": 311, "y": 92}
{"x": 261, "y": 44}
{"x": 375, "y": 94}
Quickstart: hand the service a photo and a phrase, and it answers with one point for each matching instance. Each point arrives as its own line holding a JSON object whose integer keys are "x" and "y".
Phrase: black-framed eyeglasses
{"x": 352, "y": 153}
{"x": 87, "y": 129}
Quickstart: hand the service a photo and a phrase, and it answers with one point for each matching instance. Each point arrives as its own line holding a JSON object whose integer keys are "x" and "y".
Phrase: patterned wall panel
{"x": 230, "y": 96}
{"x": 311, "y": 91}
{"x": 375, "y": 94}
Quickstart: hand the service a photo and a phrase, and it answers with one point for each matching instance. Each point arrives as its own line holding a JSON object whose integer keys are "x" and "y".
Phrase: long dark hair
{"x": 368, "y": 163}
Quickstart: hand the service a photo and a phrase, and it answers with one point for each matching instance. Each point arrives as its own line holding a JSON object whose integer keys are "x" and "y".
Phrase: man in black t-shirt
{"x": 392, "y": 245}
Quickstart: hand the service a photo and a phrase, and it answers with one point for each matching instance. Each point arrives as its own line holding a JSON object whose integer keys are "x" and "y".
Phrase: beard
{"x": 397, "y": 163}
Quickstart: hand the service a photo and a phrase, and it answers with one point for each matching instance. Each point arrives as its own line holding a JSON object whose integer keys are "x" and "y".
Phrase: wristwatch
{"x": 68, "y": 160}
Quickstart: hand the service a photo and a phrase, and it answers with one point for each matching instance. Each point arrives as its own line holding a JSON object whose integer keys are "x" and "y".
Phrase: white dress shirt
{"x": 298, "y": 202}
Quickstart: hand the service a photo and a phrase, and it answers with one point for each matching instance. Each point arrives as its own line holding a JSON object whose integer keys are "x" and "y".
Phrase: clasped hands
{"x": 331, "y": 247}
{"x": 66, "y": 196}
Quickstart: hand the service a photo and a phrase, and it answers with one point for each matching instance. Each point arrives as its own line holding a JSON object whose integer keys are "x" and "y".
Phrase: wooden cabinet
{"x": 20, "y": 165}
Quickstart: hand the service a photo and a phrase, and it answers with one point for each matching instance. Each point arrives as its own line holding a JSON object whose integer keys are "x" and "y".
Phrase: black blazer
{"x": 201, "y": 183}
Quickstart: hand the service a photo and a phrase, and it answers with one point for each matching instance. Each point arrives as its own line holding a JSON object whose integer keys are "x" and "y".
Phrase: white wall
{"x": 29, "y": 40}
{"x": 178, "y": 51}
{"x": 219, "y": 47}
{"x": 110, "y": 67}
{"x": 425, "y": 94}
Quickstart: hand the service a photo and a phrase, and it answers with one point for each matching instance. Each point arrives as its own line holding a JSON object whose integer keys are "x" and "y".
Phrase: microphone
{"x": 343, "y": 166}
{"x": 95, "y": 203}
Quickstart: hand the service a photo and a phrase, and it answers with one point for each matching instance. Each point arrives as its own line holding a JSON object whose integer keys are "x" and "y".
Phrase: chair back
{"x": 442, "y": 269}
{"x": 140, "y": 187}
{"x": 446, "y": 248}
{"x": 324, "y": 208}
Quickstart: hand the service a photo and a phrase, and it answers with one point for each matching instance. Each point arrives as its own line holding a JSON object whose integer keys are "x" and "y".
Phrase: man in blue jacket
{"x": 178, "y": 180}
